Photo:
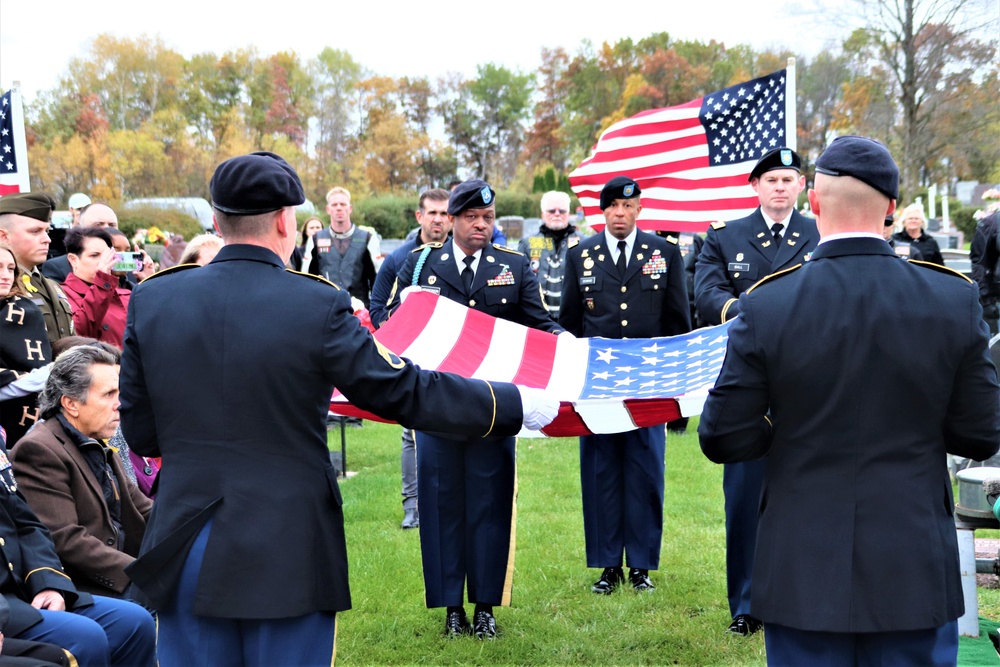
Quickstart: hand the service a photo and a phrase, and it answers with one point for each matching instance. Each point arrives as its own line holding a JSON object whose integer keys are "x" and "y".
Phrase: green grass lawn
{"x": 555, "y": 619}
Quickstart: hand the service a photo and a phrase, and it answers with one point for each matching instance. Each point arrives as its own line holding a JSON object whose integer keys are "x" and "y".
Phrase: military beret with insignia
{"x": 470, "y": 194}
{"x": 864, "y": 159}
{"x": 619, "y": 187}
{"x": 776, "y": 158}
{"x": 37, "y": 205}
{"x": 257, "y": 183}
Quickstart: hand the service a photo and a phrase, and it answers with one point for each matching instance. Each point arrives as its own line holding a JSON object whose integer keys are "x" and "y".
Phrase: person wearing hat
{"x": 736, "y": 255}
{"x": 465, "y": 486}
{"x": 624, "y": 283}
{"x": 24, "y": 226}
{"x": 77, "y": 202}
{"x": 850, "y": 486}
{"x": 245, "y": 554}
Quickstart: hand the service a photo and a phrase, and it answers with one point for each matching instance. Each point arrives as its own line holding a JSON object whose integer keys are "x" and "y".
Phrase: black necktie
{"x": 620, "y": 264}
{"x": 776, "y": 232}
{"x": 468, "y": 274}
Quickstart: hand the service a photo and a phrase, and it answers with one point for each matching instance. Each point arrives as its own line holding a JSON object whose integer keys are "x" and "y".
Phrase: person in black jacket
{"x": 913, "y": 221}
{"x": 985, "y": 256}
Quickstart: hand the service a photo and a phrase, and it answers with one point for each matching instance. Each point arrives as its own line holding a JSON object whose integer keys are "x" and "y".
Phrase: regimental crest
{"x": 786, "y": 157}
{"x": 628, "y": 190}
{"x": 486, "y": 195}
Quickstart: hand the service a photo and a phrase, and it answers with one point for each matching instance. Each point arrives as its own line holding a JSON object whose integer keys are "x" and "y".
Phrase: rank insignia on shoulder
{"x": 672, "y": 239}
{"x": 435, "y": 245}
{"x": 719, "y": 224}
{"x": 506, "y": 249}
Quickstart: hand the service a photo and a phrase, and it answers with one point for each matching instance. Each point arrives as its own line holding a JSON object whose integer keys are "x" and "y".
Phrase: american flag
{"x": 603, "y": 385}
{"x": 13, "y": 148}
{"x": 692, "y": 161}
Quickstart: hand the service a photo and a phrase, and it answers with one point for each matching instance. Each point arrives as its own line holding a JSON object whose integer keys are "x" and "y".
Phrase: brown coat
{"x": 54, "y": 477}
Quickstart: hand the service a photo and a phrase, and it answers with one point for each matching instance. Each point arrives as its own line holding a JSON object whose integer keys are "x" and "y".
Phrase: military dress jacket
{"x": 856, "y": 498}
{"x": 649, "y": 301}
{"x": 54, "y": 304}
{"x": 737, "y": 254}
{"x": 504, "y": 285}
{"x": 227, "y": 373}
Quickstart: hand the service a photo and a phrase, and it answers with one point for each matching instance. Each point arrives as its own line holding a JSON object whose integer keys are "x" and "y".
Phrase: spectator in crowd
{"x": 24, "y": 226}
{"x": 546, "y": 250}
{"x": 202, "y": 249}
{"x": 985, "y": 256}
{"x": 44, "y": 605}
{"x": 913, "y": 221}
{"x": 23, "y": 347}
{"x": 465, "y": 486}
{"x": 74, "y": 482}
{"x": 99, "y": 304}
{"x": 343, "y": 253}
{"x": 850, "y": 485}
{"x": 435, "y": 226}
{"x": 238, "y": 408}
{"x": 77, "y": 202}
{"x": 309, "y": 229}
{"x": 735, "y": 256}
{"x": 904, "y": 249}
{"x": 93, "y": 215}
{"x": 624, "y": 283}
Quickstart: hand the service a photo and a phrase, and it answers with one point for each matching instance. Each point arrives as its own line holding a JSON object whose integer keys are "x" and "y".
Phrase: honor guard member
{"x": 546, "y": 250}
{"x": 244, "y": 557}
{"x": 24, "y": 226}
{"x": 850, "y": 485}
{"x": 624, "y": 283}
{"x": 465, "y": 488}
{"x": 901, "y": 248}
{"x": 343, "y": 253}
{"x": 736, "y": 255}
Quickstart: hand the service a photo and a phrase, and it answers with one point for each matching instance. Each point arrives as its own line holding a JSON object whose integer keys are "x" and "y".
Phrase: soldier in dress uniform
{"x": 736, "y": 255}
{"x": 24, "y": 226}
{"x": 624, "y": 283}
{"x": 465, "y": 488}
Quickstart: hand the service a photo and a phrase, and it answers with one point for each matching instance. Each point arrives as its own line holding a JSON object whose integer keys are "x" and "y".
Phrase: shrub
{"x": 174, "y": 222}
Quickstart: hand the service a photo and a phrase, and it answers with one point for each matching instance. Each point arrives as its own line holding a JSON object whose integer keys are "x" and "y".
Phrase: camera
{"x": 127, "y": 261}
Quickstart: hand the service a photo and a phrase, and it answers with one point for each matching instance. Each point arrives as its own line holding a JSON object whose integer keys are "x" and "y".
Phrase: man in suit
{"x": 849, "y": 486}
{"x": 735, "y": 256}
{"x": 465, "y": 489}
{"x": 624, "y": 283}
{"x": 227, "y": 372}
{"x": 74, "y": 482}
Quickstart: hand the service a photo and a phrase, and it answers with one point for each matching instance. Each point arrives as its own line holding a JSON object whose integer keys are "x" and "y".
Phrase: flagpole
{"x": 790, "y": 111}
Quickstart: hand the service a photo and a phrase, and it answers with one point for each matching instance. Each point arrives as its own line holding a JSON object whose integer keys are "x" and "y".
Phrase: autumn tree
{"x": 544, "y": 142}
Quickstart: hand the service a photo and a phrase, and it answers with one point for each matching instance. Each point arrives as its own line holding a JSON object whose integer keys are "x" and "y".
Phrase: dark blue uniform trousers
{"x": 108, "y": 633}
{"x": 186, "y": 640}
{"x": 742, "y": 484}
{"x": 465, "y": 494}
{"x": 621, "y": 476}
{"x": 788, "y": 647}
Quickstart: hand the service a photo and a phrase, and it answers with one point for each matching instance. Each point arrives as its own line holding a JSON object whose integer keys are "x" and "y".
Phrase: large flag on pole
{"x": 603, "y": 385}
{"x": 13, "y": 147}
{"x": 692, "y": 161}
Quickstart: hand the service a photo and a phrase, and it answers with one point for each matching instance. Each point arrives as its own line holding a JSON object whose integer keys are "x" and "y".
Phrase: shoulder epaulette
{"x": 671, "y": 239}
{"x": 506, "y": 249}
{"x": 314, "y": 277}
{"x": 772, "y": 276}
{"x": 173, "y": 269}
{"x": 938, "y": 267}
{"x": 718, "y": 224}
{"x": 434, "y": 245}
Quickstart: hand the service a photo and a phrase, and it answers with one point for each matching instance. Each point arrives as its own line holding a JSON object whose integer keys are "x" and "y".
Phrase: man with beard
{"x": 546, "y": 250}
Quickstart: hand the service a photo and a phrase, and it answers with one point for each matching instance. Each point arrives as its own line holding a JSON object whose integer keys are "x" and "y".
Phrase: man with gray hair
{"x": 546, "y": 250}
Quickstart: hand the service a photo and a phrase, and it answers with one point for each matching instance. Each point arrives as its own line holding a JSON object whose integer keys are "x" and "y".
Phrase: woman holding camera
{"x": 99, "y": 304}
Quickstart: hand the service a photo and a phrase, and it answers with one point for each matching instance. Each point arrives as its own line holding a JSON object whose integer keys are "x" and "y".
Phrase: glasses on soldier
{"x": 554, "y": 211}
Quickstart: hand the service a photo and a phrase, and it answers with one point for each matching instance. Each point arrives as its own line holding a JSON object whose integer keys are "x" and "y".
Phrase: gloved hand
{"x": 567, "y": 335}
{"x": 538, "y": 408}
{"x": 407, "y": 291}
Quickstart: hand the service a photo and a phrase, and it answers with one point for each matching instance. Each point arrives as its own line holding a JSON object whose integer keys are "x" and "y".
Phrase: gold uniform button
{"x": 472, "y": 303}
{"x": 2, "y": 542}
{"x": 11, "y": 566}
{"x": 624, "y": 323}
{"x": 624, "y": 289}
{"x": 503, "y": 300}
{"x": 736, "y": 275}
{"x": 624, "y": 306}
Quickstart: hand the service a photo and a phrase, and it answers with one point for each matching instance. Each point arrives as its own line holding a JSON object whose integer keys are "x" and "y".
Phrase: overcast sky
{"x": 38, "y": 38}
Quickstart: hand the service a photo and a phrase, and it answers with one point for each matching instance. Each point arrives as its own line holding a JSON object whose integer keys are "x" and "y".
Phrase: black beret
{"x": 776, "y": 158}
{"x": 256, "y": 183}
{"x": 470, "y": 194}
{"x": 37, "y": 205}
{"x": 619, "y": 187}
{"x": 865, "y": 159}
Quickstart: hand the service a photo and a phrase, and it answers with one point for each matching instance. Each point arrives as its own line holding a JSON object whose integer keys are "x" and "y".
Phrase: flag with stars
{"x": 603, "y": 385}
{"x": 13, "y": 148}
{"x": 692, "y": 161}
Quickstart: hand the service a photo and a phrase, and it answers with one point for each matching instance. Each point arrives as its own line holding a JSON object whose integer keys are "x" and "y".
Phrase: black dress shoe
{"x": 456, "y": 624}
{"x": 640, "y": 579}
{"x": 484, "y": 625}
{"x": 410, "y": 519}
{"x": 744, "y": 625}
{"x": 610, "y": 579}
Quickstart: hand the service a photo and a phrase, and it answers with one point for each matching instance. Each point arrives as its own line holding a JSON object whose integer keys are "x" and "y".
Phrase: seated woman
{"x": 99, "y": 303}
